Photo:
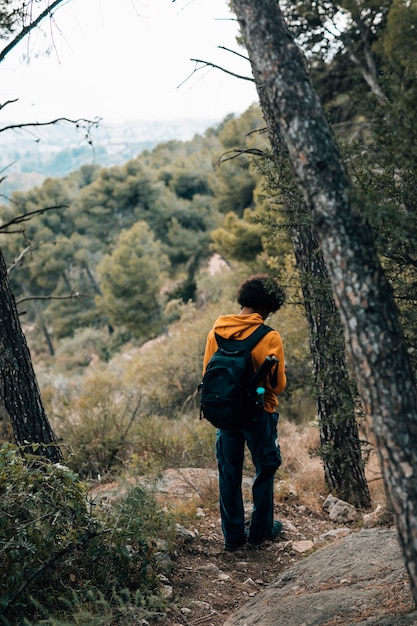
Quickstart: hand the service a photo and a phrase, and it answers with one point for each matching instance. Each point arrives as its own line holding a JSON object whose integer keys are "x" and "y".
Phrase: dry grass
{"x": 302, "y": 470}
{"x": 300, "y": 478}
{"x": 395, "y": 599}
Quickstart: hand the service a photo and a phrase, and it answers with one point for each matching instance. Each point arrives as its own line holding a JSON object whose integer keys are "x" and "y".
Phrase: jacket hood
{"x": 237, "y": 326}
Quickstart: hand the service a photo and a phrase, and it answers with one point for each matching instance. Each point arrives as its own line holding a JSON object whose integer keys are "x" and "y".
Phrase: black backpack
{"x": 229, "y": 397}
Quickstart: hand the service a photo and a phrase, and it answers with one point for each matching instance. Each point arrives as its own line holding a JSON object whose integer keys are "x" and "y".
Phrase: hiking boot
{"x": 275, "y": 532}
{"x": 233, "y": 546}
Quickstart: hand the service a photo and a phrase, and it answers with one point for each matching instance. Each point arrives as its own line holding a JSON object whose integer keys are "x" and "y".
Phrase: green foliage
{"x": 187, "y": 184}
{"x": 163, "y": 443}
{"x": 60, "y": 556}
{"x": 131, "y": 280}
{"x": 398, "y": 41}
{"x": 238, "y": 239}
{"x": 43, "y": 516}
{"x": 235, "y": 179}
{"x": 85, "y": 347}
{"x": 97, "y": 418}
{"x": 78, "y": 254}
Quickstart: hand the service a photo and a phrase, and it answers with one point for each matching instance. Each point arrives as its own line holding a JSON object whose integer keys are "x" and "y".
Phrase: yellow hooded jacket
{"x": 240, "y": 327}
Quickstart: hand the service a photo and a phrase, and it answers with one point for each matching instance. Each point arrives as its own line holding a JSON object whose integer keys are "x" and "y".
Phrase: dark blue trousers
{"x": 262, "y": 440}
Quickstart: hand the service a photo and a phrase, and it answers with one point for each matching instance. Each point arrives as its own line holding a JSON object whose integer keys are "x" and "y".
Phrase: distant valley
{"x": 31, "y": 154}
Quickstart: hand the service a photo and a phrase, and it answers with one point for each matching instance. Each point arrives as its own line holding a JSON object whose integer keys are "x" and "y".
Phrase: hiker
{"x": 259, "y": 296}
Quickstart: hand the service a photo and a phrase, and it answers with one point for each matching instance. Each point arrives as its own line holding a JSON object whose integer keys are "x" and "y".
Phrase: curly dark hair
{"x": 262, "y": 293}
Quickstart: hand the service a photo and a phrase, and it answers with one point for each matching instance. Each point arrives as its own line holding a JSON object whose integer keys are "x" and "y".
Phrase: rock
{"x": 335, "y": 533}
{"x": 164, "y": 562}
{"x": 201, "y": 605}
{"x": 286, "y": 489}
{"x": 209, "y": 568}
{"x": 339, "y": 511}
{"x": 184, "y": 533}
{"x": 289, "y": 527}
{"x": 359, "y": 579}
{"x": 163, "y": 579}
{"x": 185, "y": 610}
{"x": 302, "y": 546}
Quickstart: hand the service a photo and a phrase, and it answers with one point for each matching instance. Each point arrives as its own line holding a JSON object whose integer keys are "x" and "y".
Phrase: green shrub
{"x": 172, "y": 443}
{"x": 85, "y": 346}
{"x": 95, "y": 423}
{"x": 168, "y": 370}
{"x": 58, "y": 552}
{"x": 105, "y": 426}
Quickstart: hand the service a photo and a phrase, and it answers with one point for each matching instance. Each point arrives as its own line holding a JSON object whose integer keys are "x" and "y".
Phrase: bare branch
{"x": 261, "y": 131}
{"x": 222, "y": 69}
{"x": 18, "y": 258}
{"x": 232, "y": 154}
{"x": 73, "y": 294}
{"x": 28, "y": 216}
{"x": 77, "y": 122}
{"x": 4, "y": 104}
{"x": 205, "y": 64}
{"x": 6, "y": 167}
{"x": 242, "y": 56}
{"x": 122, "y": 440}
{"x": 26, "y": 29}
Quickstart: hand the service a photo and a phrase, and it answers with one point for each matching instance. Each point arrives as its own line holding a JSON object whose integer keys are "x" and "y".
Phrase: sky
{"x": 128, "y": 60}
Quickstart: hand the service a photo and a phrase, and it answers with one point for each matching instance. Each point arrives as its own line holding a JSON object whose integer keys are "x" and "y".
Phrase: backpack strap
{"x": 249, "y": 342}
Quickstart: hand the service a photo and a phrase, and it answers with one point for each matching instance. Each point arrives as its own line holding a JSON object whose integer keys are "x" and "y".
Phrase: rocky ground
{"x": 207, "y": 585}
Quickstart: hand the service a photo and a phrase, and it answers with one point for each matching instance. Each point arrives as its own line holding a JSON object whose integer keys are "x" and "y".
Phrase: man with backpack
{"x": 256, "y": 417}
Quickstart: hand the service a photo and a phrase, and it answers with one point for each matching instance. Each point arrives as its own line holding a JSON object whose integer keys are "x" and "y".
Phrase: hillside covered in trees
{"x": 126, "y": 241}
{"x": 31, "y": 155}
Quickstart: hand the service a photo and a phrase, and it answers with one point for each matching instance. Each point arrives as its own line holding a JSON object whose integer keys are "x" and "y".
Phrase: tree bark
{"x": 362, "y": 294}
{"x": 18, "y": 385}
{"x": 340, "y": 445}
{"x": 341, "y": 451}
{"x": 335, "y": 391}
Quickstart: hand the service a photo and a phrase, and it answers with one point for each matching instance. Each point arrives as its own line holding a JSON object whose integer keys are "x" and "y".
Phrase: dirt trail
{"x": 318, "y": 573}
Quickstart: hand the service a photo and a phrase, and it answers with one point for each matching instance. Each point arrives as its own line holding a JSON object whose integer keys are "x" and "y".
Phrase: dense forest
{"x": 119, "y": 236}
{"x": 118, "y": 272}
{"x": 114, "y": 257}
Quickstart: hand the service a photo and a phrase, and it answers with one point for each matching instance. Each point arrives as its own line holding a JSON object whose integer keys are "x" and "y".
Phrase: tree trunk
{"x": 339, "y": 438}
{"x": 18, "y": 385}
{"x": 340, "y": 447}
{"x": 362, "y": 294}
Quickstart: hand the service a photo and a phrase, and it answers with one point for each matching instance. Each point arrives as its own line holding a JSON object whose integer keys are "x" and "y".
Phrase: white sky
{"x": 125, "y": 59}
